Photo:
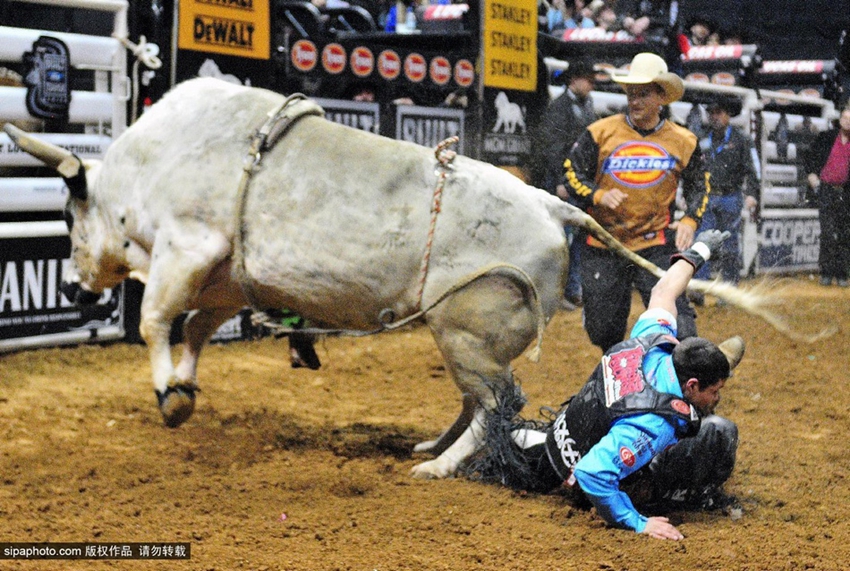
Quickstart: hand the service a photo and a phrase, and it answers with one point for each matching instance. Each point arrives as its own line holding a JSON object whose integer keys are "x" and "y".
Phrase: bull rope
{"x": 280, "y": 119}
{"x": 444, "y": 157}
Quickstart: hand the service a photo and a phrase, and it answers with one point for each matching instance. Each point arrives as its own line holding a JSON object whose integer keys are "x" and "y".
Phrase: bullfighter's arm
{"x": 580, "y": 172}
{"x": 675, "y": 281}
{"x": 695, "y": 189}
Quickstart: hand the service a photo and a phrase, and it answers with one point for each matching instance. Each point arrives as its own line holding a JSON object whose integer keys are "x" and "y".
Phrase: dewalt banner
{"x": 230, "y": 27}
{"x": 509, "y": 42}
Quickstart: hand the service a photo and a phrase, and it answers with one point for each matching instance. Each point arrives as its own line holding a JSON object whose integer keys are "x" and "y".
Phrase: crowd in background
{"x": 640, "y": 18}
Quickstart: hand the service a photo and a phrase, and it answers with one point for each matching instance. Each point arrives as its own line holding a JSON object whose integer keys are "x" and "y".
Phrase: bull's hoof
{"x": 433, "y": 469}
{"x": 302, "y": 353}
{"x": 427, "y": 446}
{"x": 176, "y": 404}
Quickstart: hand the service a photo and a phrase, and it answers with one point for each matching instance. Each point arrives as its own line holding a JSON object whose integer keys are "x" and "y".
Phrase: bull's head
{"x": 98, "y": 257}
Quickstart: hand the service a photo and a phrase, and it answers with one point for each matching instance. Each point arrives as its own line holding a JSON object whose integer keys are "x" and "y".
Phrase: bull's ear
{"x": 77, "y": 185}
{"x": 69, "y": 165}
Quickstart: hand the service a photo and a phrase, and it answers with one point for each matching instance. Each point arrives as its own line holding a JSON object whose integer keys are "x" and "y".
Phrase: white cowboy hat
{"x": 650, "y": 68}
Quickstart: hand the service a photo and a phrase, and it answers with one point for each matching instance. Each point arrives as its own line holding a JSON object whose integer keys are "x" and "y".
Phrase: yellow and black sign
{"x": 230, "y": 27}
{"x": 510, "y": 44}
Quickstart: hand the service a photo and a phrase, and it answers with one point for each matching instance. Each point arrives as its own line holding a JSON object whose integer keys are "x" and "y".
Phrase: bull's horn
{"x": 733, "y": 348}
{"x": 55, "y": 157}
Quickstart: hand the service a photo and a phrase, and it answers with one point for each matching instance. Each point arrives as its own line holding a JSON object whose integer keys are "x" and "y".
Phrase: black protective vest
{"x": 616, "y": 388}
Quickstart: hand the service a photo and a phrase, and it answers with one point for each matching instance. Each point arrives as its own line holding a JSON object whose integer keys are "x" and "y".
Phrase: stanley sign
{"x": 509, "y": 42}
{"x": 229, "y": 27}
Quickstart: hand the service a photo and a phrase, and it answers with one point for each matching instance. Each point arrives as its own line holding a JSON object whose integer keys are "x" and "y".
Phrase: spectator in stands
{"x": 731, "y": 159}
{"x": 565, "y": 119}
{"x": 582, "y": 15}
{"x": 607, "y": 174}
{"x": 605, "y": 16}
{"x": 827, "y": 164}
{"x": 566, "y": 14}
{"x": 657, "y": 23}
{"x": 702, "y": 32}
{"x": 732, "y": 36}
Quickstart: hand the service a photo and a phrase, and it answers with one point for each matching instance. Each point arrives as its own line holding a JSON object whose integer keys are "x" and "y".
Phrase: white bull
{"x": 334, "y": 225}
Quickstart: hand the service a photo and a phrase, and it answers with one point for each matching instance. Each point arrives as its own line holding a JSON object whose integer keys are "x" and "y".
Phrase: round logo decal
{"x": 723, "y": 78}
{"x": 638, "y": 164}
{"x": 362, "y": 61}
{"x": 464, "y": 73}
{"x": 304, "y": 55}
{"x": 415, "y": 68}
{"x": 680, "y": 406}
{"x": 627, "y": 456}
{"x": 697, "y": 77}
{"x": 440, "y": 70}
{"x": 389, "y": 64}
{"x": 333, "y": 58}
{"x": 780, "y": 101}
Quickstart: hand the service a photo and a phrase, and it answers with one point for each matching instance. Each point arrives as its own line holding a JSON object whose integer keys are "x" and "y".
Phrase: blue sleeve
{"x": 629, "y": 446}
{"x": 655, "y": 321}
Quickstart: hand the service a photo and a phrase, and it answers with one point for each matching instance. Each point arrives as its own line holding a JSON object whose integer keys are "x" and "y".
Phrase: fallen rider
{"x": 642, "y": 427}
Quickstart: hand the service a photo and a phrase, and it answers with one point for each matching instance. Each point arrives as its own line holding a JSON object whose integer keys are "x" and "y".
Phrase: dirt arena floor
{"x": 301, "y": 470}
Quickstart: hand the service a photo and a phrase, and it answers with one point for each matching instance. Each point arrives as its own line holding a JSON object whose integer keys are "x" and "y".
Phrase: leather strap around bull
{"x": 281, "y": 118}
{"x": 279, "y": 121}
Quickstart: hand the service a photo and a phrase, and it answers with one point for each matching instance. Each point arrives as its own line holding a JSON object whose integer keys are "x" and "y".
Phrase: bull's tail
{"x": 502, "y": 460}
{"x": 750, "y": 300}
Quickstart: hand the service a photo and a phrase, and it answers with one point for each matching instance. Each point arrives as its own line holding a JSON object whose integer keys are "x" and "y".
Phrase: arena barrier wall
{"x": 70, "y": 88}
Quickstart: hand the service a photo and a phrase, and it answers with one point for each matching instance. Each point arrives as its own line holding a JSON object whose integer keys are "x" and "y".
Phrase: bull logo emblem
{"x": 48, "y": 91}
{"x": 509, "y": 115}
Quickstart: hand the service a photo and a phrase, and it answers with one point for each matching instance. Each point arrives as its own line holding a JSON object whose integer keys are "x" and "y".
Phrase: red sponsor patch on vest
{"x": 680, "y": 406}
{"x": 627, "y": 456}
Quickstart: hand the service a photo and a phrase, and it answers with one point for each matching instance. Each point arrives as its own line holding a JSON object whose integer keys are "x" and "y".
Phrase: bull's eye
{"x": 69, "y": 220}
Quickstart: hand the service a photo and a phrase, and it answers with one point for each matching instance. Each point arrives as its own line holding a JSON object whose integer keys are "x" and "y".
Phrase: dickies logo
{"x": 440, "y": 70}
{"x": 304, "y": 55}
{"x": 415, "y": 67}
{"x": 362, "y": 61}
{"x": 389, "y": 64}
{"x": 333, "y": 58}
{"x": 638, "y": 164}
{"x": 627, "y": 456}
{"x": 464, "y": 73}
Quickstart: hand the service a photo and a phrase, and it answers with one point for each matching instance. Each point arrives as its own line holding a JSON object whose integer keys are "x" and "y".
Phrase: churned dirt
{"x": 301, "y": 470}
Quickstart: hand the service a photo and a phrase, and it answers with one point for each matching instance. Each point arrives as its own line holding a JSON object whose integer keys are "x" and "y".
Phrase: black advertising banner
{"x": 505, "y": 133}
{"x": 392, "y": 67}
{"x": 33, "y": 312}
{"x": 355, "y": 114}
{"x": 429, "y": 126}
